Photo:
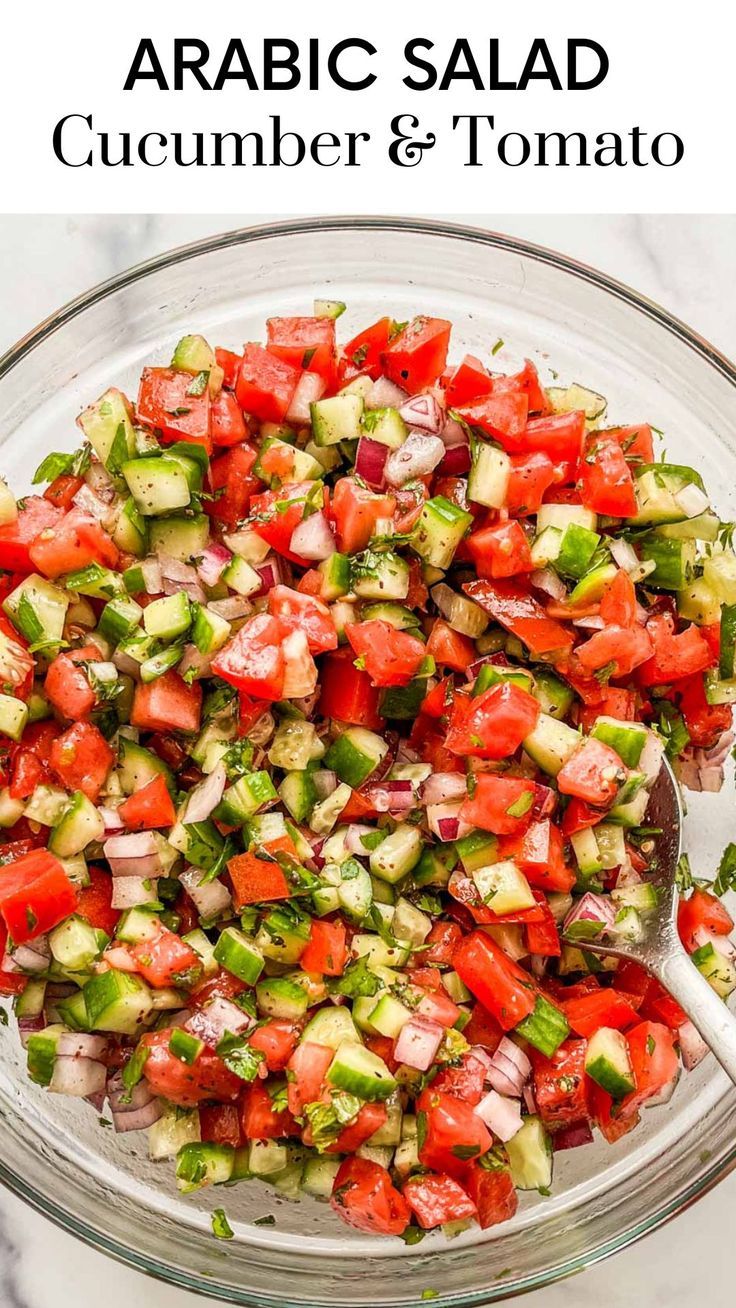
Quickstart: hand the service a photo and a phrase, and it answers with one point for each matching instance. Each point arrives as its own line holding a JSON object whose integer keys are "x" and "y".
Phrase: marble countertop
{"x": 684, "y": 262}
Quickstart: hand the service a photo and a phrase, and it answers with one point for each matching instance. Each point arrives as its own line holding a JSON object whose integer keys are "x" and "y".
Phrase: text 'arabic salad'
{"x": 334, "y": 681}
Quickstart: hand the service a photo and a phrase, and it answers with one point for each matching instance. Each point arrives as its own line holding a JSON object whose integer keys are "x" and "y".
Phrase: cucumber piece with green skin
{"x": 378, "y": 953}
{"x": 120, "y": 618}
{"x": 38, "y": 609}
{"x": 193, "y": 354}
{"x": 283, "y": 935}
{"x": 354, "y": 891}
{"x": 266, "y": 1158}
{"x": 705, "y": 526}
{"x": 591, "y": 587}
{"x": 241, "y": 577}
{"x": 337, "y": 419}
{"x": 657, "y": 485}
{"x": 168, "y": 617}
{"x": 295, "y": 745}
{"x": 530, "y": 1156}
{"x": 360, "y": 1072}
{"x": 318, "y": 1177}
{"x": 11, "y": 810}
{"x": 493, "y": 674}
{"x": 130, "y": 532}
{"x": 386, "y": 426}
{"x": 642, "y": 897}
{"x": 396, "y": 615}
{"x": 332, "y": 1027}
{"x": 551, "y": 744}
{"x": 607, "y": 1062}
{"x": 440, "y": 528}
{"x": 718, "y": 970}
{"x": 13, "y": 716}
{"x": 586, "y": 851}
{"x": 355, "y": 754}
{"x": 383, "y": 576}
{"x": 576, "y": 398}
{"x": 335, "y": 573}
{"x": 108, "y": 426}
{"x": 210, "y": 631}
{"x": 577, "y": 548}
{"x": 298, "y": 794}
{"x": 238, "y": 954}
{"x": 75, "y": 945}
{"x": 137, "y": 766}
{"x": 329, "y": 308}
{"x": 698, "y": 603}
{"x": 157, "y": 485}
{"x": 462, "y": 614}
{"x": 199, "y": 842}
{"x": 30, "y": 1002}
{"x": 203, "y": 1164}
{"x": 503, "y": 887}
{"x": 546, "y": 547}
{"x": 562, "y": 516}
{"x": 431, "y": 870}
{"x": 73, "y": 1011}
{"x": 478, "y": 849}
{"x": 719, "y": 571}
{"x": 138, "y": 925}
{"x": 77, "y": 827}
{"x": 96, "y": 581}
{"x": 609, "y": 838}
{"x": 397, "y": 854}
{"x": 389, "y": 1016}
{"x": 281, "y": 998}
{"x": 41, "y": 1054}
{"x": 719, "y": 692}
{"x": 243, "y": 799}
{"x": 116, "y": 1002}
{"x": 632, "y": 813}
{"x": 553, "y": 694}
{"x": 546, "y": 1027}
{"x": 490, "y": 472}
{"x": 175, "y": 1128}
{"x": 727, "y": 657}
{"x": 626, "y": 738}
{"x": 674, "y": 561}
{"x": 46, "y": 805}
{"x": 325, "y": 814}
{"x": 402, "y": 703}
{"x": 182, "y": 538}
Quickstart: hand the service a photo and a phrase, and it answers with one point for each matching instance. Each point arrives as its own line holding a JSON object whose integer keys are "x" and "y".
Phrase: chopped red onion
{"x": 325, "y": 782}
{"x": 127, "y": 1101}
{"x": 131, "y": 891}
{"x": 546, "y": 580}
{"x": 130, "y": 667}
{"x": 418, "y": 1042}
{"x": 391, "y": 797}
{"x": 650, "y": 760}
{"x": 510, "y": 1060}
{"x": 702, "y": 936}
{"x": 113, "y": 822}
{"x": 151, "y": 572}
{"x": 31, "y": 957}
{"x": 210, "y": 898}
{"x": 448, "y": 828}
{"x": 138, "y": 1120}
{"x": 594, "y": 622}
{"x": 217, "y": 1018}
{"x": 120, "y": 959}
{"x": 545, "y": 802}
{"x": 231, "y": 608}
{"x": 206, "y": 796}
{"x": 692, "y": 500}
{"x": 177, "y": 576}
{"x": 711, "y": 780}
{"x": 572, "y": 1137}
{"x": 28, "y": 1026}
{"x": 194, "y": 663}
{"x": 77, "y": 1076}
{"x": 312, "y": 539}
{"x": 417, "y": 457}
{"x": 215, "y": 559}
{"x": 309, "y": 389}
{"x": 538, "y": 963}
{"x": 78, "y": 1044}
{"x": 445, "y": 821}
{"x": 370, "y": 462}
{"x": 92, "y": 503}
{"x": 718, "y": 752}
{"x": 134, "y": 844}
{"x": 527, "y": 1095}
{"x": 444, "y": 786}
{"x": 623, "y": 554}
{"x": 454, "y": 435}
{"x": 353, "y": 838}
{"x": 501, "y": 1114}
{"x": 456, "y": 461}
{"x": 383, "y": 394}
{"x": 423, "y": 412}
{"x": 271, "y": 573}
{"x": 692, "y": 1046}
{"x": 591, "y": 908}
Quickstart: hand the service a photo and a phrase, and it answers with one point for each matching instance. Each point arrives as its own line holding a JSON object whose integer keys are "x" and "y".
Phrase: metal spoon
{"x": 658, "y": 948}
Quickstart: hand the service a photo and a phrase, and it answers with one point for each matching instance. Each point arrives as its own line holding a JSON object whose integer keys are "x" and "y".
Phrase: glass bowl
{"x": 584, "y": 326}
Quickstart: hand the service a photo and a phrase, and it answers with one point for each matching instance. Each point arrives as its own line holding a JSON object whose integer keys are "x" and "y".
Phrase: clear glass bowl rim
{"x": 709, "y": 353}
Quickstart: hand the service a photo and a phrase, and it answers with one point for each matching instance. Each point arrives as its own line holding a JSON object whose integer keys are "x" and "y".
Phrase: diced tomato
{"x": 265, "y": 385}
{"x": 223, "y": 985}
{"x": 604, "y": 1111}
{"x": 449, "y": 648}
{"x": 483, "y": 1029}
{"x": 66, "y": 685}
{"x": 326, "y": 952}
{"x": 35, "y": 895}
{"x": 636, "y": 442}
{"x": 232, "y": 483}
{"x": 493, "y": 1192}
{"x": 167, "y": 400}
{"x": 62, "y": 490}
{"x": 543, "y": 937}
{"x": 594, "y": 773}
{"x": 220, "y": 1124}
{"x": 618, "y": 601}
{"x": 31, "y": 760}
{"x": 166, "y": 960}
{"x": 659, "y": 1006}
{"x": 363, "y": 1196}
{"x": 356, "y": 511}
{"x": 82, "y": 758}
{"x": 11, "y": 983}
{"x": 187, "y": 1084}
{"x": 389, "y": 656}
{"x": 276, "y": 1040}
{"x": 453, "y": 1135}
{"x": 467, "y": 381}
{"x": 653, "y": 1060}
{"x": 94, "y": 901}
{"x": 416, "y": 356}
{"x": 227, "y": 421}
{"x": 307, "y": 343}
{"x": 438, "y": 701}
{"x": 149, "y": 808}
{"x": 275, "y": 514}
{"x": 559, "y": 1084}
{"x": 371, "y": 1117}
{"x": 492, "y": 724}
{"x": 502, "y": 415}
{"x": 442, "y": 941}
{"x": 306, "y": 1071}
{"x": 675, "y": 656}
{"x": 620, "y": 648}
{"x": 230, "y": 362}
{"x": 589, "y": 1013}
{"x": 363, "y": 353}
{"x": 256, "y": 880}
{"x": 253, "y": 660}
{"x": 501, "y": 550}
{"x": 702, "y": 911}
{"x": 465, "y": 1079}
{"x": 348, "y": 694}
{"x": 501, "y": 986}
{"x": 560, "y": 436}
{"x": 617, "y": 703}
{"x": 606, "y": 483}
{"x": 258, "y": 1117}
{"x": 539, "y": 855}
{"x": 167, "y": 704}
{"x": 499, "y": 804}
{"x": 437, "y": 1199}
{"x": 299, "y": 612}
{"x": 72, "y": 542}
{"x": 516, "y": 610}
{"x": 531, "y": 475}
{"x": 36, "y": 516}
{"x": 705, "y": 722}
{"x": 579, "y": 815}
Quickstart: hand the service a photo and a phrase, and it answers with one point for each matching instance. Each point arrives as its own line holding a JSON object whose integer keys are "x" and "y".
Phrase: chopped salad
{"x": 335, "y": 679}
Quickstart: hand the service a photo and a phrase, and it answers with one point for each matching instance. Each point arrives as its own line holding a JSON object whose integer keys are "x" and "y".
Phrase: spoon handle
{"x": 704, "y": 1007}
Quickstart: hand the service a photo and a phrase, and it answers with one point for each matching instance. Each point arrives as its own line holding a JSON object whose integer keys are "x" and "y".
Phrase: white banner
{"x": 381, "y": 108}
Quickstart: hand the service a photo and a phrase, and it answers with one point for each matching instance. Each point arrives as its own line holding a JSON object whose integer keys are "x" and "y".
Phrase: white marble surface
{"x": 687, "y": 263}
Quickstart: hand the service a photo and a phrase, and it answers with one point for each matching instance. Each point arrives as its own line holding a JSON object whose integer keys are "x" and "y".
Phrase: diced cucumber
{"x": 119, "y": 618}
{"x": 282, "y": 998}
{"x": 325, "y": 814}
{"x": 354, "y": 891}
{"x": 13, "y": 716}
{"x": 698, "y": 603}
{"x": 283, "y": 935}
{"x": 607, "y": 1062}
{"x": 626, "y": 738}
{"x": 551, "y": 743}
{"x": 355, "y": 754}
{"x": 137, "y": 766}
{"x": 409, "y": 922}
{"x": 77, "y": 828}
{"x": 37, "y": 609}
{"x": 46, "y": 805}
{"x": 642, "y": 897}
{"x": 210, "y": 631}
{"x": 11, "y": 810}
{"x": 609, "y": 838}
{"x": 41, "y": 1054}
{"x": 591, "y": 587}
{"x": 530, "y": 1156}
{"x": 193, "y": 354}
{"x": 138, "y": 925}
{"x": 203, "y": 1164}
{"x": 719, "y": 572}
{"x": 478, "y": 849}
{"x": 389, "y": 1015}
{"x": 130, "y": 532}
{"x": 337, "y": 419}
{"x": 631, "y": 814}
{"x": 182, "y": 538}
{"x": 546, "y": 1027}
{"x": 329, "y": 308}
{"x": 488, "y": 479}
{"x": 298, "y": 794}
{"x": 108, "y": 426}
{"x": 397, "y": 854}
{"x": 175, "y": 1128}
{"x": 546, "y": 546}
{"x": 75, "y": 944}
{"x": 267, "y": 1158}
{"x": 335, "y": 576}
{"x": 295, "y": 745}
{"x": 383, "y": 576}
{"x": 493, "y": 674}
{"x": 586, "y": 851}
{"x": 301, "y": 466}
{"x": 576, "y": 399}
{"x": 238, "y": 954}
{"x": 396, "y": 615}
{"x": 577, "y": 547}
{"x": 378, "y": 952}
{"x": 718, "y": 970}
{"x": 563, "y": 516}
{"x": 674, "y": 561}
{"x": 386, "y": 426}
{"x": 503, "y": 887}
{"x": 360, "y": 1072}
{"x": 168, "y": 617}
{"x": 117, "y": 1002}
{"x": 553, "y": 694}
{"x": 332, "y": 1027}
{"x": 241, "y": 577}
{"x": 440, "y": 528}
{"x": 157, "y": 485}
{"x": 462, "y": 613}
{"x": 318, "y": 1177}
{"x": 657, "y": 487}
{"x": 244, "y": 798}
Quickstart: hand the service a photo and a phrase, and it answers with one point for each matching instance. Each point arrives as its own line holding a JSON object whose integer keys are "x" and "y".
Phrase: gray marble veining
{"x": 687, "y": 263}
